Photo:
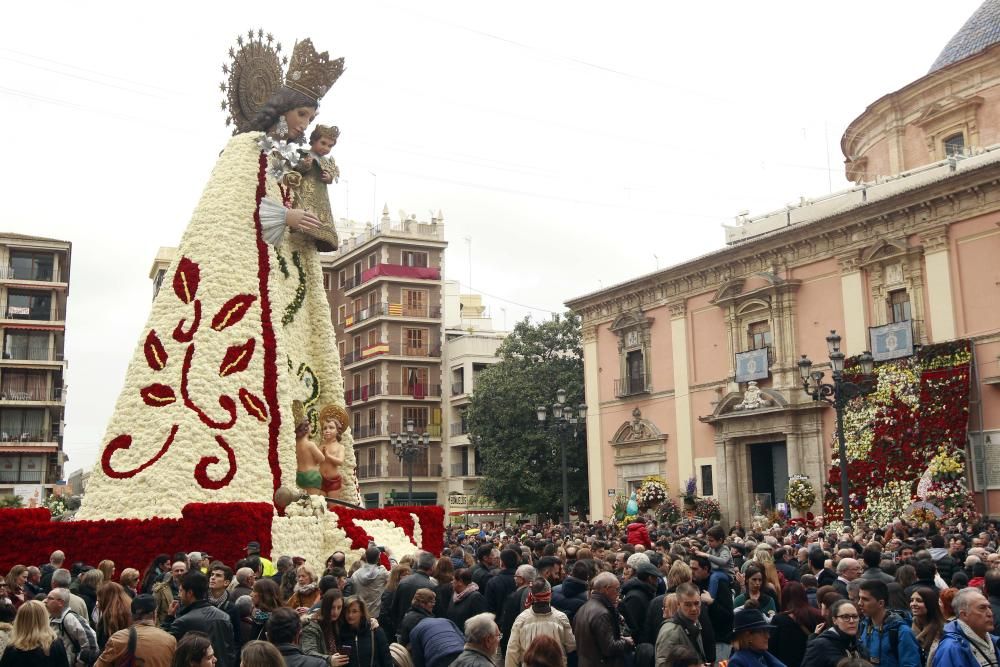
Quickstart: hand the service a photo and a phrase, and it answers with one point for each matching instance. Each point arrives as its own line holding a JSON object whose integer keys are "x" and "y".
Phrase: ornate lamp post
{"x": 562, "y": 421}
{"x": 837, "y": 394}
{"x": 406, "y": 446}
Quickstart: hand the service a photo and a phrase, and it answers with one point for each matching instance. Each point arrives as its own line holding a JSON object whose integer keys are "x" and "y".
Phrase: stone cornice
{"x": 962, "y": 196}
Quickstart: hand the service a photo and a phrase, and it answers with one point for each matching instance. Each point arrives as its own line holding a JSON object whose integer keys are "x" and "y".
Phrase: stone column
{"x": 682, "y": 395}
{"x": 939, "y": 294}
{"x": 727, "y": 485}
{"x": 595, "y": 460}
{"x": 855, "y": 335}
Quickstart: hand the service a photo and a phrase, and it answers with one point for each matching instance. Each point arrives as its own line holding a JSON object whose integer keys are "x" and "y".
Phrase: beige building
{"x": 34, "y": 285}
{"x": 912, "y": 246}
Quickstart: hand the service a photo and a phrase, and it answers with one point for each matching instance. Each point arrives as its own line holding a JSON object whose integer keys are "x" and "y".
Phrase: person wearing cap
{"x": 637, "y": 593}
{"x": 751, "y": 634}
{"x": 153, "y": 646}
{"x": 253, "y": 549}
{"x": 539, "y": 619}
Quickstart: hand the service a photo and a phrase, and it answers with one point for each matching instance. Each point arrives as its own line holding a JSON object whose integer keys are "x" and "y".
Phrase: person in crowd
{"x": 370, "y": 580}
{"x": 321, "y": 634}
{"x": 992, "y": 591}
{"x": 839, "y": 641}
{"x": 928, "y": 622}
{"x": 785, "y": 563}
{"x": 61, "y": 578}
{"x": 398, "y": 573}
{"x": 154, "y": 573}
{"x": 486, "y": 559}
{"x": 33, "y": 584}
{"x": 107, "y": 568}
{"x": 78, "y": 639}
{"x": 421, "y": 607}
{"x": 33, "y": 642}
{"x": 444, "y": 575}
{"x": 886, "y": 637}
{"x": 793, "y": 626}
{"x": 721, "y": 558}
{"x": 17, "y": 577}
{"x": 195, "y": 650}
{"x": 129, "y": 581}
{"x": 114, "y": 612}
{"x": 306, "y": 589}
{"x": 167, "y": 591}
{"x": 596, "y": 627}
{"x": 543, "y": 651}
{"x": 945, "y": 599}
{"x": 720, "y": 608}
{"x": 56, "y": 560}
{"x": 284, "y": 630}
{"x": 369, "y": 645}
{"x": 751, "y": 638}
{"x": 537, "y": 620}
{"x": 684, "y": 628}
{"x": 192, "y": 612}
{"x": 966, "y": 641}
{"x": 245, "y": 579}
{"x": 482, "y": 641}
{"x": 153, "y": 646}
{"x": 264, "y": 596}
{"x": 421, "y": 578}
{"x": 267, "y": 567}
{"x": 570, "y": 595}
{"x": 848, "y": 569}
{"x": 90, "y": 581}
{"x": 754, "y": 579}
{"x": 7, "y": 615}
{"x": 502, "y": 584}
{"x": 516, "y": 602}
{"x": 466, "y": 600}
{"x": 872, "y": 559}
{"x": 259, "y": 653}
{"x": 436, "y": 642}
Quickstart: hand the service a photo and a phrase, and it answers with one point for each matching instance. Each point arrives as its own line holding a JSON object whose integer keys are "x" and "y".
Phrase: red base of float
{"x": 221, "y": 529}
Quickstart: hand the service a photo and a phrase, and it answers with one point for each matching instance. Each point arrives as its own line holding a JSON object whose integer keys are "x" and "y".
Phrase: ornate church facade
{"x": 692, "y": 371}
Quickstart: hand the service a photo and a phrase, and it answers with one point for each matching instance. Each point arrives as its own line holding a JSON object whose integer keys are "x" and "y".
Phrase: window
{"x": 373, "y": 338}
{"x": 955, "y": 144}
{"x": 414, "y": 258}
{"x": 707, "y": 488}
{"x": 372, "y": 260}
{"x": 342, "y": 278}
{"x": 414, "y": 302}
{"x": 343, "y": 348}
{"x": 759, "y": 335}
{"x": 24, "y": 385}
{"x": 357, "y": 347}
{"x": 899, "y": 306}
{"x": 357, "y": 274}
{"x": 26, "y": 425}
{"x": 418, "y": 415}
{"x": 372, "y": 301}
{"x": 372, "y": 377}
{"x": 356, "y": 383}
{"x": 359, "y": 305}
{"x": 372, "y": 420}
{"x": 327, "y": 281}
{"x": 29, "y": 306}
{"x": 371, "y": 458}
{"x": 636, "y": 372}
{"x": 29, "y": 345}
{"x": 158, "y": 281}
{"x": 414, "y": 376}
{"x": 31, "y": 265}
{"x": 415, "y": 340}
{"x": 341, "y": 314}
{"x": 356, "y": 421}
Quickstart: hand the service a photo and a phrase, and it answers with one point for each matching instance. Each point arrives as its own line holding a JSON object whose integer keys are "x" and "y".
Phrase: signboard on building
{"x": 30, "y": 494}
{"x": 892, "y": 341}
{"x": 751, "y": 365}
{"x": 612, "y": 492}
{"x": 985, "y": 460}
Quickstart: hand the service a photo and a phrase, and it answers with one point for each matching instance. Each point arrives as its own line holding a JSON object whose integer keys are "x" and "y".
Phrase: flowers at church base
{"x": 669, "y": 513}
{"x": 651, "y": 493}
{"x": 800, "y": 494}
{"x": 707, "y": 509}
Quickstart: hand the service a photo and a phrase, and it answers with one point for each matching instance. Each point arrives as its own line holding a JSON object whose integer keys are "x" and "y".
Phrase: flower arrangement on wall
{"x": 905, "y": 441}
{"x": 800, "y": 495}
{"x": 651, "y": 493}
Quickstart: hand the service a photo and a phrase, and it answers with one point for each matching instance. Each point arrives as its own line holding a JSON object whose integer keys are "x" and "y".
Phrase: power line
{"x": 500, "y": 298}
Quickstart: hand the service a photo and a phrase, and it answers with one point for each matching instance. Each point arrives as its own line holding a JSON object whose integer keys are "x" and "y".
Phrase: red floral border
{"x": 431, "y": 524}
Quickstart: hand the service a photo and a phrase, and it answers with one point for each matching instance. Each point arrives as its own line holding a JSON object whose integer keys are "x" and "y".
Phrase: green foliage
{"x": 11, "y": 502}
{"x": 522, "y": 461}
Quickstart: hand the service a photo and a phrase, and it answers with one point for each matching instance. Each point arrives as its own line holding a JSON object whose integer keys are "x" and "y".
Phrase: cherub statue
{"x": 318, "y": 466}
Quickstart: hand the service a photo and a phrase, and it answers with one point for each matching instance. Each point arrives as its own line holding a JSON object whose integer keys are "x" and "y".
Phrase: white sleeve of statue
{"x": 272, "y": 221}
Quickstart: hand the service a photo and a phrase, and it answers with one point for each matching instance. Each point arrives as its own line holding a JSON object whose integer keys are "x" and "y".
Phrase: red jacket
{"x": 637, "y": 534}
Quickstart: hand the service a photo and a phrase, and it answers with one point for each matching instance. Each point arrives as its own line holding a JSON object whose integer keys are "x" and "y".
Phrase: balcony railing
{"x": 10, "y": 273}
{"x": 457, "y": 388}
{"x": 367, "y": 431}
{"x": 21, "y": 476}
{"x": 370, "y": 471}
{"x": 434, "y": 430}
{"x": 420, "y": 469}
{"x": 396, "y": 348}
{"x": 406, "y": 228}
{"x": 24, "y": 313}
{"x": 417, "y": 391}
{"x": 33, "y": 353}
{"x": 363, "y": 393}
{"x": 631, "y": 385}
{"x": 391, "y": 310}
{"x": 460, "y": 428}
{"x": 53, "y": 394}
{"x": 464, "y": 470}
{"x": 26, "y": 436}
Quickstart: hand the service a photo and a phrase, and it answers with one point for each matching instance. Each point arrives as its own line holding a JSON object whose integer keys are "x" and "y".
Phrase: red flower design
{"x": 232, "y": 311}
{"x": 186, "y": 279}
{"x": 237, "y": 358}
{"x": 156, "y": 355}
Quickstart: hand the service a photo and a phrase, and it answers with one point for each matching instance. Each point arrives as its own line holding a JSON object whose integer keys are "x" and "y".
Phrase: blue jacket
{"x": 877, "y": 643}
{"x": 955, "y": 650}
{"x": 748, "y": 658}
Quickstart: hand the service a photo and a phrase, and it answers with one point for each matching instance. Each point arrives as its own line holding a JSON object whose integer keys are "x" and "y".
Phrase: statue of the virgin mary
{"x": 243, "y": 328}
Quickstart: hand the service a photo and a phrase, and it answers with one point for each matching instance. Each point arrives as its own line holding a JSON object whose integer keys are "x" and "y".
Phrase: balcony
{"x": 464, "y": 470}
{"x": 386, "y": 309}
{"x": 409, "y": 229}
{"x": 32, "y": 353}
{"x": 40, "y": 275}
{"x": 26, "y": 437}
{"x": 433, "y": 429}
{"x": 459, "y": 428}
{"x": 417, "y": 391}
{"x": 363, "y": 393}
{"x": 51, "y": 394}
{"x": 367, "y": 431}
{"x": 392, "y": 349}
{"x": 21, "y": 476}
{"x": 391, "y": 271}
{"x": 631, "y": 385}
{"x": 369, "y": 471}
{"x": 25, "y": 313}
{"x": 420, "y": 469}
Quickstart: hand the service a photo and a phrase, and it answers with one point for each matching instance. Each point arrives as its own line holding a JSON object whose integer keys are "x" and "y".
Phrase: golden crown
{"x": 311, "y": 73}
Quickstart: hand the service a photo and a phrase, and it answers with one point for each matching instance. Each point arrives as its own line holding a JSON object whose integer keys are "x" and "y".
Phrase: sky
{"x": 569, "y": 145}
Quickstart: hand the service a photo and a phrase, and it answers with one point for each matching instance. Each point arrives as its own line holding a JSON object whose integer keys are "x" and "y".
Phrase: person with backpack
{"x": 77, "y": 637}
{"x": 141, "y": 644}
{"x": 886, "y": 637}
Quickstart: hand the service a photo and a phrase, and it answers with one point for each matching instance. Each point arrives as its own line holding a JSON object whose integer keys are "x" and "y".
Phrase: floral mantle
{"x": 906, "y": 441}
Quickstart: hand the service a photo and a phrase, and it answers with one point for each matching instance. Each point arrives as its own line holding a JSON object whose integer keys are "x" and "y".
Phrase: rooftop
{"x": 980, "y": 31}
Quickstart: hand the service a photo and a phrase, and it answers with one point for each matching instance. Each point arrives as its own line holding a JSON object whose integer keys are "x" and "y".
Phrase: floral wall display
{"x": 906, "y": 441}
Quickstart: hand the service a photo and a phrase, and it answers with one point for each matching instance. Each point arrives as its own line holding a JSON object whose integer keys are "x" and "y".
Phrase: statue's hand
{"x": 302, "y": 220}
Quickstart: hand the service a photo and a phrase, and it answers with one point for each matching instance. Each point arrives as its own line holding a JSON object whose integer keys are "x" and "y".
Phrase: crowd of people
{"x": 592, "y": 595}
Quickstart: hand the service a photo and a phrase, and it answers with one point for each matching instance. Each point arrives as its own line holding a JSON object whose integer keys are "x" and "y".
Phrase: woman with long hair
{"x": 369, "y": 646}
{"x": 928, "y": 621}
{"x": 754, "y": 578}
{"x": 264, "y": 596}
{"x": 772, "y": 578}
{"x": 306, "y": 589}
{"x": 906, "y": 576}
{"x": 107, "y": 568}
{"x": 194, "y": 650}
{"x": 321, "y": 636}
{"x": 261, "y": 654}
{"x": 115, "y": 608}
{"x": 33, "y": 643}
{"x": 16, "y": 579}
{"x": 129, "y": 580}
{"x": 838, "y": 641}
{"x": 444, "y": 574}
{"x": 158, "y": 567}
{"x": 384, "y": 617}
{"x": 794, "y": 625}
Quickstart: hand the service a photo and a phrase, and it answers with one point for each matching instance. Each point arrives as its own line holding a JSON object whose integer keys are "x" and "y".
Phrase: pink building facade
{"x": 918, "y": 250}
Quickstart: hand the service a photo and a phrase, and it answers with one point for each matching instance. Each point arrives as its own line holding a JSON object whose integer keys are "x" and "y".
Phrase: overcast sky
{"x": 570, "y": 145}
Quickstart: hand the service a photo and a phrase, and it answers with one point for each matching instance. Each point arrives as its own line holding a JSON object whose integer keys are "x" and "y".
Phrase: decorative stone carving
{"x": 638, "y": 429}
{"x": 677, "y": 309}
{"x": 753, "y": 398}
{"x": 935, "y": 240}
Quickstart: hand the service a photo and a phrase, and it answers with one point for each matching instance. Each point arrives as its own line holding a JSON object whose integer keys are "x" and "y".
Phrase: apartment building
{"x": 34, "y": 284}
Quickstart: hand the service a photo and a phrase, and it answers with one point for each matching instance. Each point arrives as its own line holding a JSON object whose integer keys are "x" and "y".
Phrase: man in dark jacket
{"x": 193, "y": 611}
{"x": 817, "y": 564}
{"x": 570, "y": 595}
{"x": 465, "y": 602}
{"x": 943, "y": 560}
{"x": 283, "y": 630}
{"x": 482, "y": 638}
{"x": 421, "y": 578}
{"x": 515, "y": 603}
{"x": 720, "y": 608}
{"x": 993, "y": 596}
{"x": 482, "y": 571}
{"x": 637, "y": 593}
{"x": 422, "y": 607}
{"x": 502, "y": 583}
{"x": 925, "y": 570}
{"x": 598, "y": 635}
{"x": 872, "y": 557}
{"x": 784, "y": 561}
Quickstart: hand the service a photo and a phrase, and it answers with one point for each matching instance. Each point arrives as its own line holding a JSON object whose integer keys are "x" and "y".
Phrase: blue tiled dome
{"x": 982, "y": 30}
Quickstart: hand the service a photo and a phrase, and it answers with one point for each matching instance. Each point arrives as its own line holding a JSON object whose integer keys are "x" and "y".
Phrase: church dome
{"x": 979, "y": 32}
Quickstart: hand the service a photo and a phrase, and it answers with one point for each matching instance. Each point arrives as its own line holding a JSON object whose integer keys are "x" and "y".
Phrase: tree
{"x": 521, "y": 461}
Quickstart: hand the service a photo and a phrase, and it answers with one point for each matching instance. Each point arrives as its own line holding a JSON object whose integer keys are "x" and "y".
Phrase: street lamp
{"x": 563, "y": 420}
{"x": 406, "y": 446}
{"x": 838, "y": 394}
